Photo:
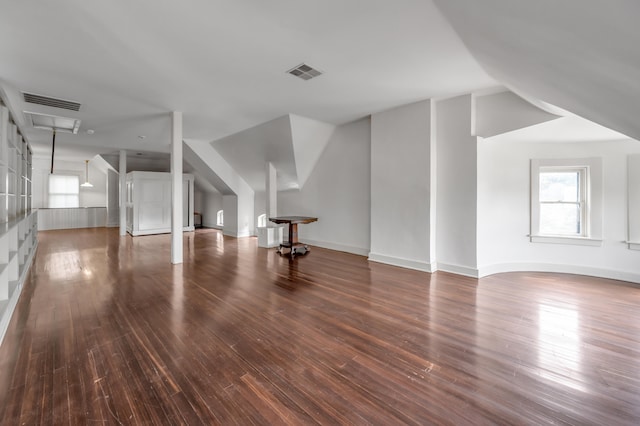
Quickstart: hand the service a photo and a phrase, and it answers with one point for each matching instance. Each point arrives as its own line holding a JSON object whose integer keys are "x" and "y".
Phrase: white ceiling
{"x": 579, "y": 55}
{"x": 564, "y": 129}
{"x": 222, "y": 63}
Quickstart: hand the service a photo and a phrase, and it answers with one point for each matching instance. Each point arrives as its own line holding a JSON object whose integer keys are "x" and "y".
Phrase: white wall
{"x": 337, "y": 192}
{"x": 198, "y": 202}
{"x": 260, "y": 207}
{"x": 230, "y": 208}
{"x": 89, "y": 197}
{"x": 401, "y": 186}
{"x": 211, "y": 203}
{"x": 504, "y": 211}
{"x": 456, "y": 187}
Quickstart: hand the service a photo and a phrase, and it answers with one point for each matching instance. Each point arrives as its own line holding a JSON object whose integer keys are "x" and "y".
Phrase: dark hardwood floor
{"x": 107, "y": 331}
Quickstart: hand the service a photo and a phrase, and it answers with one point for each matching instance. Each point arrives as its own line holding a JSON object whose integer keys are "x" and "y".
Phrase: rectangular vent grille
{"x": 304, "y": 72}
{"x": 52, "y": 102}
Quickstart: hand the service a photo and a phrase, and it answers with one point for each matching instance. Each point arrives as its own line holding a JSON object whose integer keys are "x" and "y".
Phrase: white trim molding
{"x": 633, "y": 245}
{"x": 577, "y": 241}
{"x": 403, "y": 263}
{"x": 457, "y": 269}
{"x": 338, "y": 247}
{"x": 498, "y": 268}
{"x": 237, "y": 234}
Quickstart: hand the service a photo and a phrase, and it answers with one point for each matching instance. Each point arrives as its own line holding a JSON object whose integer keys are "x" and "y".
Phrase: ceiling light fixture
{"x": 86, "y": 184}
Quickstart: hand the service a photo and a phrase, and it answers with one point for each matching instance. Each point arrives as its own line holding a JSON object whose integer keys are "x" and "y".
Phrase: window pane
{"x": 60, "y": 201}
{"x": 560, "y": 186}
{"x": 560, "y": 219}
{"x": 59, "y": 184}
{"x": 64, "y": 191}
{"x": 56, "y": 201}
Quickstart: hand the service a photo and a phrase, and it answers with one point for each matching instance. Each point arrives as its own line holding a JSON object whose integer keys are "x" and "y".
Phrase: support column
{"x": 176, "y": 187}
{"x": 270, "y": 235}
{"x": 271, "y": 193}
{"x": 123, "y": 192}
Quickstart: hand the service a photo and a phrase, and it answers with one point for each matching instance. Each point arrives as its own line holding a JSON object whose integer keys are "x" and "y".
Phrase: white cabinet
{"x": 149, "y": 203}
{"x": 18, "y": 224}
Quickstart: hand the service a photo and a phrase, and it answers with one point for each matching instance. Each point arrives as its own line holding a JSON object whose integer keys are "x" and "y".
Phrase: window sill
{"x": 633, "y": 245}
{"x": 576, "y": 241}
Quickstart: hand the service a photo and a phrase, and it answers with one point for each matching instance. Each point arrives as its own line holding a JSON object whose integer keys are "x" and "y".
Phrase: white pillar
{"x": 271, "y": 193}
{"x": 176, "y": 187}
{"x": 123, "y": 192}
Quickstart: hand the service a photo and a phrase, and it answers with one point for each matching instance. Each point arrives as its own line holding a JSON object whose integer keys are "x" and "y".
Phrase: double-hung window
{"x": 563, "y": 201}
{"x": 64, "y": 191}
{"x": 566, "y": 201}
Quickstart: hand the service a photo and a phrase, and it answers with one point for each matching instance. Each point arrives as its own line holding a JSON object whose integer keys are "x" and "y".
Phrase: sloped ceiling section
{"x": 580, "y": 55}
{"x": 210, "y": 167}
{"x": 248, "y": 151}
{"x": 503, "y": 112}
{"x": 293, "y": 144}
{"x": 145, "y": 161}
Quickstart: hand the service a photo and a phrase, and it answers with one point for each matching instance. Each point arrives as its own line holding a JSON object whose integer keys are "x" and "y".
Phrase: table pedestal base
{"x": 297, "y": 248}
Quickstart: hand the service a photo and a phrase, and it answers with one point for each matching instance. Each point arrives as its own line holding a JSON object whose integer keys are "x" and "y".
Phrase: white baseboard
{"x": 339, "y": 247}
{"x": 211, "y": 225}
{"x": 237, "y": 234}
{"x": 457, "y": 269}
{"x": 157, "y": 231}
{"x": 403, "y": 263}
{"x": 559, "y": 268}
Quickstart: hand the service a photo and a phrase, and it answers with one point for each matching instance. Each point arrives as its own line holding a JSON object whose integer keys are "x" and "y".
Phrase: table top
{"x": 293, "y": 219}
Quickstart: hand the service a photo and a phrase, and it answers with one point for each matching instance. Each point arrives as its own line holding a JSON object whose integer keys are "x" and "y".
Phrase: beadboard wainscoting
{"x": 69, "y": 218}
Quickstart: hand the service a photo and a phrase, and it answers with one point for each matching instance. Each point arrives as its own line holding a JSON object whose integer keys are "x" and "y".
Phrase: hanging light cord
{"x": 53, "y": 149}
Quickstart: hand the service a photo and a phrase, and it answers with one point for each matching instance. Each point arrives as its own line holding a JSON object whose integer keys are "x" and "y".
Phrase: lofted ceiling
{"x": 579, "y": 55}
{"x": 222, "y": 63}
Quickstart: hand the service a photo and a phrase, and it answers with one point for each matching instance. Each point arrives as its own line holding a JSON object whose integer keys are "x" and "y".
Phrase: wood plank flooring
{"x": 107, "y": 331}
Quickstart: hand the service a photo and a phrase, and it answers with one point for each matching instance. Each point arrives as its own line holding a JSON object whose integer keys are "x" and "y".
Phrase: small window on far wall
{"x": 563, "y": 201}
{"x": 220, "y": 218}
{"x": 262, "y": 220}
{"x": 64, "y": 191}
{"x": 566, "y": 201}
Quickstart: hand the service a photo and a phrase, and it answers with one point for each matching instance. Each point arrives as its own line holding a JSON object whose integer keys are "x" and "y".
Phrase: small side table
{"x": 292, "y": 244}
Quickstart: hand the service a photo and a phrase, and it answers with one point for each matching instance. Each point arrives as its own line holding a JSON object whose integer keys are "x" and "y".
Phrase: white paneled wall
{"x": 70, "y": 218}
{"x": 149, "y": 203}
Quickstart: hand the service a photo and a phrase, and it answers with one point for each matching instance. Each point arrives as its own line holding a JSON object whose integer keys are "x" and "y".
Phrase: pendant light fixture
{"x": 86, "y": 184}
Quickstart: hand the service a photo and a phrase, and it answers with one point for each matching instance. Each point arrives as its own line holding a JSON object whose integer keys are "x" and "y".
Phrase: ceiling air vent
{"x": 304, "y": 72}
{"x": 52, "y": 102}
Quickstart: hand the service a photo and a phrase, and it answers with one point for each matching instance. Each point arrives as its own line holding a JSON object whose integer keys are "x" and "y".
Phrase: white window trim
{"x": 592, "y": 216}
{"x": 633, "y": 200}
{"x": 633, "y": 245}
{"x": 220, "y": 218}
